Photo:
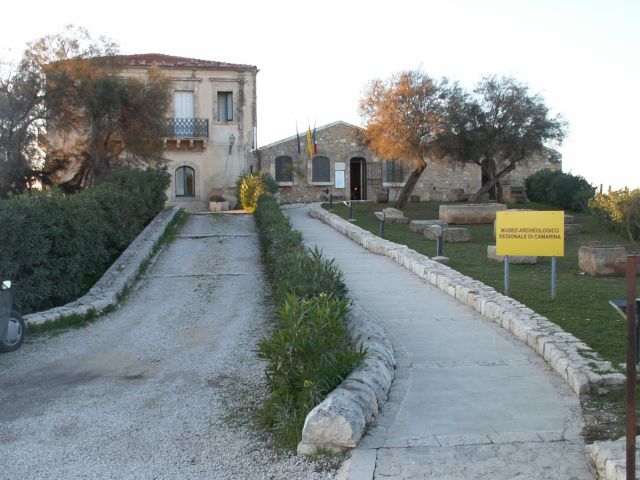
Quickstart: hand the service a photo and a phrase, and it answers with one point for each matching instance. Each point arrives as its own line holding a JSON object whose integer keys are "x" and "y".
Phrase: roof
{"x": 317, "y": 129}
{"x": 162, "y": 60}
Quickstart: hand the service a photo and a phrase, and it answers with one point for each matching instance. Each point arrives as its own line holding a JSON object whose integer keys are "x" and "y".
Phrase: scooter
{"x": 12, "y": 327}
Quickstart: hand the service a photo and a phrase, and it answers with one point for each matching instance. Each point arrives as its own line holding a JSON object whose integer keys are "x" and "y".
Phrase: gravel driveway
{"x": 161, "y": 388}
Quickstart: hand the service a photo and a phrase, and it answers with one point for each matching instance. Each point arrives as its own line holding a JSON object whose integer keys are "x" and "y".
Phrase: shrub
{"x": 619, "y": 210}
{"x": 539, "y": 184}
{"x": 570, "y": 192}
{"x": 308, "y": 354}
{"x": 251, "y": 186}
{"x": 54, "y": 247}
{"x": 562, "y": 190}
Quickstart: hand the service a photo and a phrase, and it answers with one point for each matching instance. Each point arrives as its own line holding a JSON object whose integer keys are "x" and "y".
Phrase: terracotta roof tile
{"x": 147, "y": 59}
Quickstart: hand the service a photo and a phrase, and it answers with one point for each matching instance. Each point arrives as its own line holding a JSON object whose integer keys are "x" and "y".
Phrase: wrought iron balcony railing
{"x": 187, "y": 128}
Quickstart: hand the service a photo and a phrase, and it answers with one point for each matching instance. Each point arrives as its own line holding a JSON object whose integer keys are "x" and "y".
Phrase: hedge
{"x": 54, "y": 247}
{"x": 308, "y": 354}
{"x": 562, "y": 190}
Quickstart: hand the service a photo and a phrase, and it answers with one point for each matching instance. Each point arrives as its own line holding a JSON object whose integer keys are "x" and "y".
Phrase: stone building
{"x": 342, "y": 166}
{"x": 347, "y": 169}
{"x": 210, "y": 129}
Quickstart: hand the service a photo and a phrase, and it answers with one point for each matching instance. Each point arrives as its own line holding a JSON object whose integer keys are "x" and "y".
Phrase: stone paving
{"x": 469, "y": 400}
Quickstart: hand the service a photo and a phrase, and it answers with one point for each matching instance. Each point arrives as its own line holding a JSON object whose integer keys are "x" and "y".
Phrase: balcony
{"x": 187, "y": 128}
{"x": 195, "y": 131}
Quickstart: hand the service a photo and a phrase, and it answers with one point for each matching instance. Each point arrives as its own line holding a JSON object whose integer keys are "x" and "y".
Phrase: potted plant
{"x": 217, "y": 203}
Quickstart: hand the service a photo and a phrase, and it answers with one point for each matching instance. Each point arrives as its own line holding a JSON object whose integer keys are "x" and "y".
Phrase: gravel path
{"x": 162, "y": 388}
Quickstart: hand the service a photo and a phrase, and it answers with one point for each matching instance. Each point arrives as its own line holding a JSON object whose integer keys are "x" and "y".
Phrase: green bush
{"x": 570, "y": 192}
{"x": 539, "y": 184}
{"x": 619, "y": 210}
{"x": 54, "y": 247}
{"x": 308, "y": 354}
{"x": 562, "y": 190}
{"x": 251, "y": 186}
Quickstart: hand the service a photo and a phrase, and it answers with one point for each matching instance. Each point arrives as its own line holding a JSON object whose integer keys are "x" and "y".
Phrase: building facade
{"x": 210, "y": 128}
{"x": 344, "y": 167}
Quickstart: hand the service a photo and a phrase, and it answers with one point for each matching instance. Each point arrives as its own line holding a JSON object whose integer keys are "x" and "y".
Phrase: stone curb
{"x": 576, "y": 362}
{"x": 609, "y": 458}
{"x": 338, "y": 423}
{"x": 116, "y": 279}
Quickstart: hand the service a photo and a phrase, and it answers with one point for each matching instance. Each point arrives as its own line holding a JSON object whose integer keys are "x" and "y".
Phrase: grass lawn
{"x": 581, "y": 306}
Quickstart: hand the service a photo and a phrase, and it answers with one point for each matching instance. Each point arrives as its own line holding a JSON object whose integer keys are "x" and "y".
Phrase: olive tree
{"x": 412, "y": 117}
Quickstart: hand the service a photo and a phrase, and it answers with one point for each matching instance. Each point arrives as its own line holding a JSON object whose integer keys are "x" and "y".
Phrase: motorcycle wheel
{"x": 15, "y": 333}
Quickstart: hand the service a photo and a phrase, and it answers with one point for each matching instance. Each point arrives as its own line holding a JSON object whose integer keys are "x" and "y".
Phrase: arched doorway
{"x": 358, "y": 178}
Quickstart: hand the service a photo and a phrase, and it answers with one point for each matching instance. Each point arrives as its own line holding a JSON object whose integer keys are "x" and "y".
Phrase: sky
{"x": 316, "y": 58}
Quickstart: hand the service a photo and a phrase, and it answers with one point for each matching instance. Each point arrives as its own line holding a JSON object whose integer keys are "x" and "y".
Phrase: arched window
{"x": 284, "y": 169}
{"x": 320, "y": 171}
{"x": 185, "y": 182}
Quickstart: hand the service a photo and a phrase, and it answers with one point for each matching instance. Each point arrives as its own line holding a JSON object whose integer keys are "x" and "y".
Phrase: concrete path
{"x": 468, "y": 401}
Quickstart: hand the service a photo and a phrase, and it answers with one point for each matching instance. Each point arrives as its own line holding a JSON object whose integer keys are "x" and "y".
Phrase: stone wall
{"x": 449, "y": 180}
{"x": 533, "y": 163}
{"x": 338, "y": 141}
{"x": 442, "y": 180}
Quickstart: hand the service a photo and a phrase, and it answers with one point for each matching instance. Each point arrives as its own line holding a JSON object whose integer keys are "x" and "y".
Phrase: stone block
{"x": 466, "y": 214}
{"x": 492, "y": 255}
{"x": 515, "y": 194}
{"x": 393, "y": 215}
{"x": 449, "y": 234}
{"x": 603, "y": 260}
{"x": 337, "y": 420}
{"x": 218, "y": 206}
{"x": 419, "y": 226}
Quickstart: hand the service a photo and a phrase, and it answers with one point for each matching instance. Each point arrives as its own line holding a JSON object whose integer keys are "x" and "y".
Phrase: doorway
{"x": 358, "y": 178}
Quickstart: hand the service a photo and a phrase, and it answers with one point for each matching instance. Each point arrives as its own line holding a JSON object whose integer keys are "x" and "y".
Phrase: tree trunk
{"x": 488, "y": 185}
{"x": 409, "y": 185}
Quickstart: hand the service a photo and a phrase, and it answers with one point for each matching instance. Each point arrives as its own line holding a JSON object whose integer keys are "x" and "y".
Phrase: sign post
{"x": 530, "y": 233}
{"x": 506, "y": 275}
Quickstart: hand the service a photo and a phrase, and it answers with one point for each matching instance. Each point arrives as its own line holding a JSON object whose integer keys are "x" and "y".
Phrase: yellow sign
{"x": 524, "y": 233}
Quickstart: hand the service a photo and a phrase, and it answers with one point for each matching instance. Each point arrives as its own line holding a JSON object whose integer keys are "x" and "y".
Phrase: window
{"x": 184, "y": 111}
{"x": 320, "y": 171}
{"x": 394, "y": 171}
{"x": 284, "y": 169}
{"x": 225, "y": 107}
{"x": 183, "y": 104}
{"x": 185, "y": 182}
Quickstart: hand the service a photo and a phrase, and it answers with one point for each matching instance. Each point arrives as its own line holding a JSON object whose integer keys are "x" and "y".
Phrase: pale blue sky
{"x": 315, "y": 58}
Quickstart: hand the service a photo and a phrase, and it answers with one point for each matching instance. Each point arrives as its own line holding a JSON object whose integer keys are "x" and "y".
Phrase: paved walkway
{"x": 468, "y": 401}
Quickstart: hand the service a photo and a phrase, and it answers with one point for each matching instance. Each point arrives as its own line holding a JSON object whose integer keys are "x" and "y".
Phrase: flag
{"x": 309, "y": 142}
{"x": 298, "y": 138}
{"x": 315, "y": 145}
